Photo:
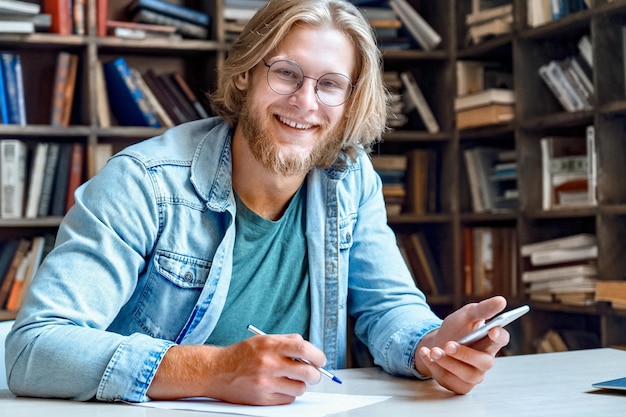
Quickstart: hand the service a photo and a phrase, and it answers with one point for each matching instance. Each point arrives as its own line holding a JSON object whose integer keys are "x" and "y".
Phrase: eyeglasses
{"x": 286, "y": 77}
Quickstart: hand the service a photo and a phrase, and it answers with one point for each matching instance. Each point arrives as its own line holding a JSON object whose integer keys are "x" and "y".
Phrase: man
{"x": 270, "y": 215}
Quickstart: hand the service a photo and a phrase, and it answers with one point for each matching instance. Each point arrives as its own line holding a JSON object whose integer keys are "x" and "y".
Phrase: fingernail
{"x": 436, "y": 354}
{"x": 451, "y": 348}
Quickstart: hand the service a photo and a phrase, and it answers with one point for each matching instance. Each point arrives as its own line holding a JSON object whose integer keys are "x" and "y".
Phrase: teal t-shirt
{"x": 270, "y": 283}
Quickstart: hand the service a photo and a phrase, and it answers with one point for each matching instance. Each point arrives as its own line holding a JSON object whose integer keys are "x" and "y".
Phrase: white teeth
{"x": 293, "y": 124}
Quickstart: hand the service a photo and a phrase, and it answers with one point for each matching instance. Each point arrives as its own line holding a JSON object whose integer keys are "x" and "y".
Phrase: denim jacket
{"x": 146, "y": 254}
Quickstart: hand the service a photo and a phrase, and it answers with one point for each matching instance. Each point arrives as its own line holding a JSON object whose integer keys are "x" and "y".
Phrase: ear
{"x": 241, "y": 81}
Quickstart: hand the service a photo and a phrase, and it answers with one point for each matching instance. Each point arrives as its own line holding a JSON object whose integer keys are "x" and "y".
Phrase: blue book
{"x": 128, "y": 103}
{"x": 13, "y": 87}
{"x": 169, "y": 9}
{"x": 4, "y": 111}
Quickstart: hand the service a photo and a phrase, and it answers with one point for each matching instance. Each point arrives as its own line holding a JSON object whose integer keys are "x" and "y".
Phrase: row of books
{"x": 571, "y": 79}
{"x": 144, "y": 99}
{"x": 492, "y": 177}
{"x": 398, "y": 25}
{"x": 419, "y": 256}
{"x": 562, "y": 269}
{"x": 489, "y": 261}
{"x": 23, "y": 17}
{"x": 540, "y": 12}
{"x": 409, "y": 103}
{"x": 19, "y": 261}
{"x": 38, "y": 182}
{"x": 569, "y": 171}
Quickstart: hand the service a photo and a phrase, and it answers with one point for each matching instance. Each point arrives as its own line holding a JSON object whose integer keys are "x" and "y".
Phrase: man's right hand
{"x": 257, "y": 371}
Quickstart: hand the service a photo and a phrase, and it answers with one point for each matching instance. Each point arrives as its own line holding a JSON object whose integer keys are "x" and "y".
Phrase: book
{"x": 557, "y": 82}
{"x": 19, "y": 7}
{"x": 102, "y": 98}
{"x": 470, "y": 77}
{"x": 16, "y": 26}
{"x": 488, "y": 14}
{"x": 127, "y": 101}
{"x": 61, "y": 13}
{"x": 155, "y": 85}
{"x": 63, "y": 89}
{"x": 78, "y": 17}
{"x": 418, "y": 100}
{"x": 183, "y": 27}
{"x": 555, "y": 256}
{"x": 560, "y": 272}
{"x": 484, "y": 97}
{"x": 495, "y": 27}
{"x": 169, "y": 9}
{"x": 565, "y": 242}
{"x": 417, "y": 181}
{"x": 490, "y": 114}
{"x": 176, "y": 97}
{"x": 189, "y": 94}
{"x": 13, "y": 153}
{"x": 102, "y": 16}
{"x": 419, "y": 28}
{"x": 45, "y": 199}
{"x": 155, "y": 104}
{"x": 611, "y": 291}
{"x": 14, "y": 87}
{"x": 35, "y": 180}
{"x": 76, "y": 173}
{"x": 4, "y": 106}
{"x": 30, "y": 265}
{"x": 9, "y": 277}
{"x": 61, "y": 178}
{"x": 7, "y": 252}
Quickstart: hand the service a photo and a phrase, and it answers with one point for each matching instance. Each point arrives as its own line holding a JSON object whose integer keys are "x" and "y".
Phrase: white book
{"x": 423, "y": 33}
{"x": 584, "y": 46}
{"x": 19, "y": 7}
{"x": 16, "y": 26}
{"x": 36, "y": 180}
{"x": 488, "y": 14}
{"x": 560, "y": 272}
{"x": 566, "y": 242}
{"x": 555, "y": 256}
{"x": 570, "y": 284}
{"x": 592, "y": 175}
{"x": 12, "y": 178}
{"x": 484, "y": 97}
{"x": 418, "y": 99}
{"x": 552, "y": 75}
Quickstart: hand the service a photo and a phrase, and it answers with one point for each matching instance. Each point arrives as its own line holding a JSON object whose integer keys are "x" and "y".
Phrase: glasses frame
{"x": 269, "y": 66}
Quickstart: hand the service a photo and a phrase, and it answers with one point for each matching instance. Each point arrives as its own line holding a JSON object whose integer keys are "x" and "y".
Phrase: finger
{"x": 488, "y": 308}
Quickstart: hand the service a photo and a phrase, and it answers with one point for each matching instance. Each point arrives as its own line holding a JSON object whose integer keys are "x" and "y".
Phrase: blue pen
{"x": 322, "y": 370}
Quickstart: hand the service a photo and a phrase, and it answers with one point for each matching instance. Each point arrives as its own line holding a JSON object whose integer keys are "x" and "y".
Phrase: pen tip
{"x": 337, "y": 380}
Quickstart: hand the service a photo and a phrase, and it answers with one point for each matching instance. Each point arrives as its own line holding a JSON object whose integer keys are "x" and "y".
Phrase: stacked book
{"x": 189, "y": 23}
{"x": 392, "y": 171}
{"x": 562, "y": 269}
{"x": 613, "y": 292}
{"x": 22, "y": 17}
{"x": 487, "y": 107}
{"x": 489, "y": 22}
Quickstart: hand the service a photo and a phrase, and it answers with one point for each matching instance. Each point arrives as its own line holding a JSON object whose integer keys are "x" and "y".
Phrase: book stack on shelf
{"x": 420, "y": 259}
{"x": 236, "y": 15}
{"x": 569, "y": 171}
{"x": 392, "y": 172}
{"x": 489, "y": 261}
{"x": 189, "y": 23}
{"x": 613, "y": 292}
{"x": 138, "y": 30}
{"x": 397, "y": 115}
{"x": 386, "y": 24}
{"x": 492, "y": 177}
{"x": 540, "y": 12}
{"x": 563, "y": 340}
{"x": 422, "y": 181}
{"x": 148, "y": 99}
{"x": 19, "y": 260}
{"x": 571, "y": 79}
{"x": 484, "y": 94}
{"x": 562, "y": 269}
{"x": 489, "y": 22}
{"x": 23, "y": 17}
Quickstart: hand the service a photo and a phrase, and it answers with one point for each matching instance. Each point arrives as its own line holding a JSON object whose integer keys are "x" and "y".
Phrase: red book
{"x": 76, "y": 173}
{"x": 61, "y": 14}
{"x": 102, "y": 13}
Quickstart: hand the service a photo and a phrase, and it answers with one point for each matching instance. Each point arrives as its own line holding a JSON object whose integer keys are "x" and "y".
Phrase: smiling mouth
{"x": 294, "y": 124}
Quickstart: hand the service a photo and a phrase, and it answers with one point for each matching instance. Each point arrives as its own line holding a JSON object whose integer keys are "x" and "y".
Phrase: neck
{"x": 262, "y": 190}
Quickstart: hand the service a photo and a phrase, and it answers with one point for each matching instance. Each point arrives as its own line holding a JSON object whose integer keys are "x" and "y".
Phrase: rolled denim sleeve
{"x": 60, "y": 346}
{"x": 391, "y": 313}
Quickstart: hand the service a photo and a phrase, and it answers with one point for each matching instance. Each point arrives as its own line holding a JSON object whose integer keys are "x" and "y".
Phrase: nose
{"x": 305, "y": 97}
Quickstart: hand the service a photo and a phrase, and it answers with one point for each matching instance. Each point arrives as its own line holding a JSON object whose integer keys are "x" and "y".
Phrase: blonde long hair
{"x": 366, "y": 110}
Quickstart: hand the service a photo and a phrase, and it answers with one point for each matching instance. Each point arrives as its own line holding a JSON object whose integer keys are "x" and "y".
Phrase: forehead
{"x": 318, "y": 50}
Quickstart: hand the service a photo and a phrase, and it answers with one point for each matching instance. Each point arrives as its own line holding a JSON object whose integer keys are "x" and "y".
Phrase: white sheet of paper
{"x": 311, "y": 404}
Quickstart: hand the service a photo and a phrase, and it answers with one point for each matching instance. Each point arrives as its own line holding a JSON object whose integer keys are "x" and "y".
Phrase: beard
{"x": 273, "y": 157}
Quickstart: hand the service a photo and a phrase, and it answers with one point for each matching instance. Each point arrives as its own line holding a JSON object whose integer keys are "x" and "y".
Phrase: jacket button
{"x": 188, "y": 276}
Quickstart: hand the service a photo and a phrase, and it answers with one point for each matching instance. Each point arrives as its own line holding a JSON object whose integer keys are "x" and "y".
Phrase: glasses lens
{"x": 284, "y": 77}
{"x": 334, "y": 89}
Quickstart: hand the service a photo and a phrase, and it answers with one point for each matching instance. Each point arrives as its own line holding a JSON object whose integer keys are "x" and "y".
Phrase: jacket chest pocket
{"x": 170, "y": 294}
{"x": 346, "y": 229}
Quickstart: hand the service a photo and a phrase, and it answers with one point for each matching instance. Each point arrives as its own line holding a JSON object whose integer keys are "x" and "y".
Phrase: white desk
{"x": 544, "y": 385}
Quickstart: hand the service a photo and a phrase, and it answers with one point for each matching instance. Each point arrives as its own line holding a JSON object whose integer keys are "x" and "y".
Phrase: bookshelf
{"x": 537, "y": 114}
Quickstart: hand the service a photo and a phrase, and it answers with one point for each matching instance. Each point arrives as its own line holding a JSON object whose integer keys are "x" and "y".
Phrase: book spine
{"x": 420, "y": 102}
{"x": 12, "y": 79}
{"x": 102, "y": 15}
{"x": 78, "y": 17}
{"x": 61, "y": 176}
{"x": 45, "y": 199}
{"x": 184, "y": 28}
{"x": 76, "y": 173}
{"x": 9, "y": 277}
{"x": 36, "y": 180}
{"x": 592, "y": 165}
{"x": 4, "y": 106}
{"x": 191, "y": 97}
{"x": 61, "y": 16}
{"x": 549, "y": 78}
{"x": 58, "y": 94}
{"x": 423, "y": 33}
{"x": 169, "y": 9}
{"x": 12, "y": 178}
{"x": 68, "y": 93}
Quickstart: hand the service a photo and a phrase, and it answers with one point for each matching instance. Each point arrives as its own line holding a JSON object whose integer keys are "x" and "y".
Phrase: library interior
{"x": 501, "y": 167}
